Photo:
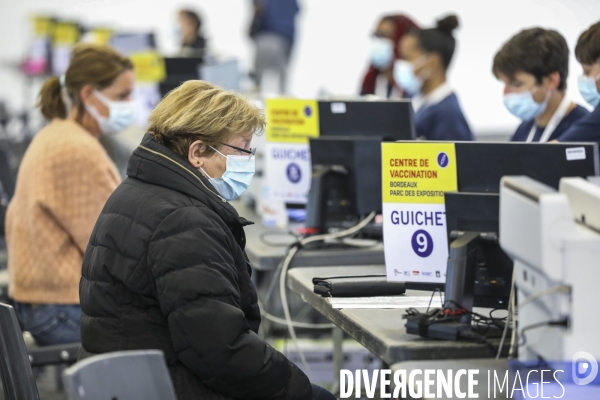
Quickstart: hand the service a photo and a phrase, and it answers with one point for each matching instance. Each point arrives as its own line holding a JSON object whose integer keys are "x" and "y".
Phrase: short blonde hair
{"x": 198, "y": 110}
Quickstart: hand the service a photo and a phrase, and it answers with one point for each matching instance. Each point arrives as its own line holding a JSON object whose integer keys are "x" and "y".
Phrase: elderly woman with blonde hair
{"x": 166, "y": 268}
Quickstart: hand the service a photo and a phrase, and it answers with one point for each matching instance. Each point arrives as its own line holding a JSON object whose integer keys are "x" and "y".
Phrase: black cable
{"x": 433, "y": 294}
{"x": 494, "y": 310}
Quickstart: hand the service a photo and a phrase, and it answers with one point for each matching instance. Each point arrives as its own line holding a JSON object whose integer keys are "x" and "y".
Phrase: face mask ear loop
{"x": 103, "y": 99}
{"x": 205, "y": 174}
{"x": 546, "y": 99}
{"x": 218, "y": 151}
{"x": 418, "y": 63}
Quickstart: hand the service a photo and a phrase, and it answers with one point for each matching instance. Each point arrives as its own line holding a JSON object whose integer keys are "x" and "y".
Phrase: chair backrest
{"x": 124, "y": 375}
{"x": 17, "y": 378}
{"x": 7, "y": 184}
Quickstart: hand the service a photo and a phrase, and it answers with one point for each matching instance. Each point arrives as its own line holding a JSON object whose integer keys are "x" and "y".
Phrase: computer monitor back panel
{"x": 480, "y": 212}
{"x": 480, "y": 166}
{"x": 391, "y": 120}
{"x": 179, "y": 70}
{"x": 361, "y": 158}
{"x": 128, "y": 43}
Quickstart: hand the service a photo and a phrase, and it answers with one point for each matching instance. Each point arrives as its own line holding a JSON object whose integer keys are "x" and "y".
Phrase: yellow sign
{"x": 102, "y": 35}
{"x": 42, "y": 26}
{"x": 65, "y": 33}
{"x": 418, "y": 173}
{"x": 149, "y": 66}
{"x": 292, "y": 120}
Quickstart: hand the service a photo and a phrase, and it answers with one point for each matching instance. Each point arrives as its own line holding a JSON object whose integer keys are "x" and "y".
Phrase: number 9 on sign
{"x": 422, "y": 243}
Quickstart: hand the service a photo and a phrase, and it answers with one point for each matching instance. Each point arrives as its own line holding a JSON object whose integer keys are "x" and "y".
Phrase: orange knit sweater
{"x": 63, "y": 182}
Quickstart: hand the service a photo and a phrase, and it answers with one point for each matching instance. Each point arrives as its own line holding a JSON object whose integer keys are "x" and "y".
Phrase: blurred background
{"x": 332, "y": 44}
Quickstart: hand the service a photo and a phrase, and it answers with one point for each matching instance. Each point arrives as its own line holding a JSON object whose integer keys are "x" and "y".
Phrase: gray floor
{"x": 47, "y": 385}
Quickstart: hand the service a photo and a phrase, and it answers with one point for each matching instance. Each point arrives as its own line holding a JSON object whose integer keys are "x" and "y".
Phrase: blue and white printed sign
{"x": 415, "y": 178}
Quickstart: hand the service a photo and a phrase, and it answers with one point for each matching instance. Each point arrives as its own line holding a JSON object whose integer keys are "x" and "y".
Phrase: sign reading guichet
{"x": 290, "y": 123}
{"x": 415, "y": 177}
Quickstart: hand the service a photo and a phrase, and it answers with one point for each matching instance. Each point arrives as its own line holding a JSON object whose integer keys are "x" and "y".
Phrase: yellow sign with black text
{"x": 149, "y": 66}
{"x": 291, "y": 120}
{"x": 415, "y": 177}
{"x": 418, "y": 172}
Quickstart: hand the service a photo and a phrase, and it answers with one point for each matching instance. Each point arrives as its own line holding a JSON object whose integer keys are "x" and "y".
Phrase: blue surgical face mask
{"x": 382, "y": 53}
{"x": 405, "y": 77}
{"x": 121, "y": 114}
{"x": 238, "y": 174}
{"x": 523, "y": 106}
{"x": 589, "y": 90}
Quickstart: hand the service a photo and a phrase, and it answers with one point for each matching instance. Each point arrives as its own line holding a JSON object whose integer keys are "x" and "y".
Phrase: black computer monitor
{"x": 346, "y": 181}
{"x": 482, "y": 165}
{"x": 179, "y": 70}
{"x": 475, "y": 208}
{"x": 492, "y": 270}
{"x": 392, "y": 119}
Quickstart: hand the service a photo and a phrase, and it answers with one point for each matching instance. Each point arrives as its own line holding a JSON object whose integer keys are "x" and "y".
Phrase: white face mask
{"x": 238, "y": 174}
{"x": 121, "y": 114}
{"x": 405, "y": 76}
{"x": 523, "y": 106}
{"x": 382, "y": 53}
{"x": 589, "y": 90}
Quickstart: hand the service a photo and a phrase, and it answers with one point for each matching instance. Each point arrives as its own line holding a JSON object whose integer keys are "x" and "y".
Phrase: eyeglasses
{"x": 250, "y": 152}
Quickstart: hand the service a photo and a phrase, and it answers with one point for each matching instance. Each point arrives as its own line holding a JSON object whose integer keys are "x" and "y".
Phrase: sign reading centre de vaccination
{"x": 290, "y": 123}
{"x": 415, "y": 177}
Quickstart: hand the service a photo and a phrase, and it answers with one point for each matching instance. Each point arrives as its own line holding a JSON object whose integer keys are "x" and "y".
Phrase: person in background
{"x": 385, "y": 50}
{"x": 63, "y": 182}
{"x": 421, "y": 73}
{"x": 193, "y": 44}
{"x": 273, "y": 29}
{"x": 172, "y": 248}
{"x": 587, "y": 52}
{"x": 534, "y": 66}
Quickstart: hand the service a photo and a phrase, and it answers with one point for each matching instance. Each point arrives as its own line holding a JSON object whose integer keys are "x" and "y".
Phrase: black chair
{"x": 123, "y": 375}
{"x": 57, "y": 354}
{"x": 17, "y": 377}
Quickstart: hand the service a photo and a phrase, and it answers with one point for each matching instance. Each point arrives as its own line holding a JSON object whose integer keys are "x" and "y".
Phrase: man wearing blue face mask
{"x": 534, "y": 65}
{"x": 587, "y": 52}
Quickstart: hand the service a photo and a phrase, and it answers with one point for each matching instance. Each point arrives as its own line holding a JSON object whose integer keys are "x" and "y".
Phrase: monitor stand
{"x": 455, "y": 323}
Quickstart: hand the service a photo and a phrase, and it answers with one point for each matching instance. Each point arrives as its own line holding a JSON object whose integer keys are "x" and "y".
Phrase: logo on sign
{"x": 427, "y": 273}
{"x": 443, "y": 160}
{"x": 585, "y": 368}
{"x": 422, "y": 243}
{"x": 406, "y": 273}
{"x": 307, "y": 111}
{"x": 437, "y": 274}
{"x": 294, "y": 174}
{"x": 416, "y": 273}
{"x": 396, "y": 272}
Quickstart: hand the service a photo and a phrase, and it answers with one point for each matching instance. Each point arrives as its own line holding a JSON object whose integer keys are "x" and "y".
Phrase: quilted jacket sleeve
{"x": 197, "y": 282}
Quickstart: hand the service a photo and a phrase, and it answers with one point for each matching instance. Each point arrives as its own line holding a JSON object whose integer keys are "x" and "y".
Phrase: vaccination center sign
{"x": 415, "y": 177}
{"x": 290, "y": 124}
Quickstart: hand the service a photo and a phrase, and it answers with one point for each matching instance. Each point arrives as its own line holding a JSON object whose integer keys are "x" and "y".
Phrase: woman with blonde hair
{"x": 166, "y": 268}
{"x": 63, "y": 182}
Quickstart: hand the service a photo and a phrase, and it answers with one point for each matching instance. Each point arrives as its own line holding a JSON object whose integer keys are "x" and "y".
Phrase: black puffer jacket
{"x": 165, "y": 269}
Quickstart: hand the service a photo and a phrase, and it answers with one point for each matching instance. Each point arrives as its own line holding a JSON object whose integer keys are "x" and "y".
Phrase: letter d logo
{"x": 582, "y": 362}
